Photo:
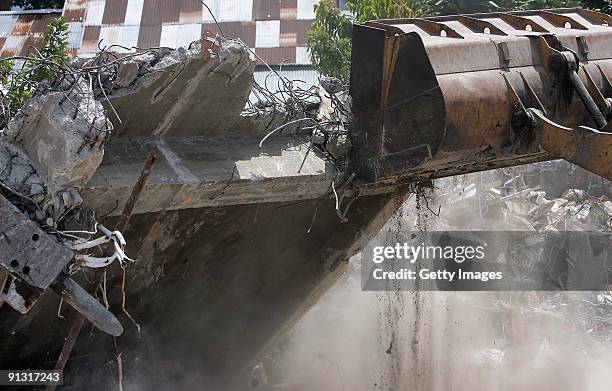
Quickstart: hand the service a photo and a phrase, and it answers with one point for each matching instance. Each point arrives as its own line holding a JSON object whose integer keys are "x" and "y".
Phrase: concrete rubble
{"x": 176, "y": 101}
{"x": 194, "y": 91}
{"x": 570, "y": 198}
{"x": 182, "y": 92}
{"x": 63, "y": 134}
{"x": 53, "y": 146}
{"x": 546, "y": 198}
{"x": 58, "y": 137}
{"x": 19, "y": 174}
{"x": 212, "y": 180}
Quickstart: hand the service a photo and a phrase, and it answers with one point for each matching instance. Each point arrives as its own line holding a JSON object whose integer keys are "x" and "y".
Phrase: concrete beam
{"x": 197, "y": 172}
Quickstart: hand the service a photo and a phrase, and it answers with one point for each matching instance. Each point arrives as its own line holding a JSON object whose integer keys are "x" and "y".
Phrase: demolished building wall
{"x": 208, "y": 230}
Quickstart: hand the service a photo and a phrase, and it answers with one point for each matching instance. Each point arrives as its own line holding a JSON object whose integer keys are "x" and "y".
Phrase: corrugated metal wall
{"x": 19, "y": 31}
{"x": 276, "y": 29}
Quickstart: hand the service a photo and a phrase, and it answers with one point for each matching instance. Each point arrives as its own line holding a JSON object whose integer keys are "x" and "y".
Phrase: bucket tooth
{"x": 596, "y": 18}
{"x": 481, "y": 26}
{"x": 560, "y": 20}
{"x": 521, "y": 23}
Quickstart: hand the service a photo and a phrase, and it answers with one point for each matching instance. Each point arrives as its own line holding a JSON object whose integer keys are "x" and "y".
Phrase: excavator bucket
{"x": 444, "y": 96}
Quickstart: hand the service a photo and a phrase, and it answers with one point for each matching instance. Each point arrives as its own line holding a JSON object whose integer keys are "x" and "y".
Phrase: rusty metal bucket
{"x": 451, "y": 95}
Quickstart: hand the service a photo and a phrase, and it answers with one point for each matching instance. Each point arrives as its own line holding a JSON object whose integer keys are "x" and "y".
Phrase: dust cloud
{"x": 460, "y": 341}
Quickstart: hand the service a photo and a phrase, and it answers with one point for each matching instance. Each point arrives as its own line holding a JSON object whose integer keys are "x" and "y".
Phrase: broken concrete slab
{"x": 127, "y": 72}
{"x": 197, "y": 172}
{"x": 22, "y": 185}
{"x": 194, "y": 172}
{"x": 338, "y": 145}
{"x": 181, "y": 92}
{"x": 62, "y": 133}
{"x": 28, "y": 252}
{"x": 170, "y": 93}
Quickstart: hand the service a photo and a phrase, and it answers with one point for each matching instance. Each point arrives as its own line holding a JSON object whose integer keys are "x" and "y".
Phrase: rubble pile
{"x": 554, "y": 328}
{"x": 19, "y": 175}
{"x": 575, "y": 208}
{"x": 511, "y": 199}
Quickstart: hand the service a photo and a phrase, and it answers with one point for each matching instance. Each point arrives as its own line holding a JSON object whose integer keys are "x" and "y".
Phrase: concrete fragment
{"x": 26, "y": 251}
{"x": 607, "y": 207}
{"x": 319, "y": 137}
{"x": 181, "y": 93}
{"x": 61, "y": 202}
{"x": 18, "y": 173}
{"x": 126, "y": 73}
{"x": 575, "y": 195}
{"x": 331, "y": 84}
{"x": 62, "y": 134}
{"x": 336, "y": 110}
{"x": 338, "y": 145}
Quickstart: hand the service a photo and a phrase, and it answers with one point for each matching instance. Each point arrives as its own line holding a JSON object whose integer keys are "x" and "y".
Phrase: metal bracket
{"x": 604, "y": 105}
{"x": 583, "y": 46}
{"x": 504, "y": 54}
{"x": 586, "y": 147}
{"x": 560, "y": 60}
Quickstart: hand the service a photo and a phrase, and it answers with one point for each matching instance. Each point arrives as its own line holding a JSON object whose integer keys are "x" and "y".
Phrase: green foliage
{"x": 56, "y": 40}
{"x": 329, "y": 38}
{"x": 329, "y": 41}
{"x": 16, "y": 92}
{"x": 599, "y": 5}
{"x": 547, "y": 4}
{"x": 452, "y": 7}
{"x": 54, "y": 49}
{"x": 6, "y": 67}
{"x": 365, "y": 10}
{"x": 19, "y": 85}
{"x": 38, "y": 4}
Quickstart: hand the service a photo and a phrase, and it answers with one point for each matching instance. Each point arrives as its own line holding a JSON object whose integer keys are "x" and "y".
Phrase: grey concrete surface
{"x": 210, "y": 288}
{"x": 62, "y": 134}
{"x": 233, "y": 242}
{"x": 198, "y": 172}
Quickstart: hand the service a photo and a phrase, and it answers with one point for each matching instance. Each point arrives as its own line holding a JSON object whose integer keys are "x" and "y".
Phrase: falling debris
{"x": 403, "y": 340}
